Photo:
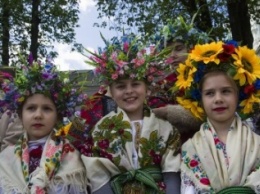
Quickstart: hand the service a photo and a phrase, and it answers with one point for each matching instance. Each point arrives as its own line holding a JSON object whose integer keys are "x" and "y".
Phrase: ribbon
{"x": 146, "y": 177}
{"x": 237, "y": 190}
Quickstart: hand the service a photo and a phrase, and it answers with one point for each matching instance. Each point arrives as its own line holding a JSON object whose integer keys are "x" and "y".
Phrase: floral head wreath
{"x": 179, "y": 30}
{"x": 126, "y": 57}
{"x": 36, "y": 77}
{"x": 240, "y": 62}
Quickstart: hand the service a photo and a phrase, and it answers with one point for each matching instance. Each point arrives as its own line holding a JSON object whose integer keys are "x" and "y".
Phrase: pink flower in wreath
{"x": 126, "y": 47}
{"x": 115, "y": 76}
{"x": 138, "y": 62}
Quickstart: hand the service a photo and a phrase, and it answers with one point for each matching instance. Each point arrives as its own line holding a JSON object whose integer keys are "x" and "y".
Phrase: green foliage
{"x": 54, "y": 20}
{"x": 149, "y": 16}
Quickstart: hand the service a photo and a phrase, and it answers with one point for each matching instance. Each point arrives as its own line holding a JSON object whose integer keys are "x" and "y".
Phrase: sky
{"x": 87, "y": 35}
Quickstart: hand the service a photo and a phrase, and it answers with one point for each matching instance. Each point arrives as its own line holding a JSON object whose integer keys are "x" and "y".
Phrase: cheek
{"x": 205, "y": 103}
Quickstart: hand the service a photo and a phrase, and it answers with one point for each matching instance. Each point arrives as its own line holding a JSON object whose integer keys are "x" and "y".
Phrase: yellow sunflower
{"x": 248, "y": 64}
{"x": 248, "y": 104}
{"x": 185, "y": 77}
{"x": 63, "y": 131}
{"x": 193, "y": 106}
{"x": 207, "y": 52}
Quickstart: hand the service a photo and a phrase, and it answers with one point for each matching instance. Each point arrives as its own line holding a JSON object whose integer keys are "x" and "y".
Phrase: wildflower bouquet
{"x": 126, "y": 57}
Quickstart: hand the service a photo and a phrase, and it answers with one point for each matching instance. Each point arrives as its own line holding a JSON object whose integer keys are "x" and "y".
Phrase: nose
{"x": 129, "y": 89}
{"x": 38, "y": 114}
{"x": 218, "y": 97}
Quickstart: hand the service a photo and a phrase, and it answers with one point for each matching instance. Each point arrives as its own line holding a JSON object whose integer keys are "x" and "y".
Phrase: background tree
{"x": 213, "y": 15}
{"x": 34, "y": 25}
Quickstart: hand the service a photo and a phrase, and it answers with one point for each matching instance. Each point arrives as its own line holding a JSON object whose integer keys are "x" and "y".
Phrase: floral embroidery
{"x": 195, "y": 165}
{"x": 152, "y": 150}
{"x": 39, "y": 190}
{"x": 52, "y": 155}
{"x": 68, "y": 148}
{"x": 162, "y": 186}
{"x": 112, "y": 135}
{"x": 218, "y": 143}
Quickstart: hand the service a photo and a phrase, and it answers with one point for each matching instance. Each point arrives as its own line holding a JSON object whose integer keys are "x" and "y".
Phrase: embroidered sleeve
{"x": 174, "y": 142}
{"x": 187, "y": 186}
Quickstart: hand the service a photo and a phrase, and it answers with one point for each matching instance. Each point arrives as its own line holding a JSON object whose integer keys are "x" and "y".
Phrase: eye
{"x": 136, "y": 83}
{"x": 31, "y": 108}
{"x": 209, "y": 93}
{"x": 226, "y": 91}
{"x": 120, "y": 86}
{"x": 47, "y": 108}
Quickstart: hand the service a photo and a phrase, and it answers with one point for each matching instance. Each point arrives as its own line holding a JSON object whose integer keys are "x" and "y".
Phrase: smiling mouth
{"x": 130, "y": 99}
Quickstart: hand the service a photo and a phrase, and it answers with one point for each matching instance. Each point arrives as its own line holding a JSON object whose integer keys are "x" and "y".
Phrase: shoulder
{"x": 195, "y": 139}
{"x": 7, "y": 154}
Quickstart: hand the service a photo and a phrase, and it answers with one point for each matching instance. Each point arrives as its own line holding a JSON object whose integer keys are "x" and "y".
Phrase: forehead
{"x": 217, "y": 81}
{"x": 39, "y": 99}
{"x": 126, "y": 81}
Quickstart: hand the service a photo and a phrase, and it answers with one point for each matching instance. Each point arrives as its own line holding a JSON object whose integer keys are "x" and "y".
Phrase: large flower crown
{"x": 179, "y": 30}
{"x": 126, "y": 57}
{"x": 240, "y": 62}
{"x": 37, "y": 77}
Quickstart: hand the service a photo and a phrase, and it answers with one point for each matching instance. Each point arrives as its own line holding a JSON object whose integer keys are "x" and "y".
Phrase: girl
{"x": 132, "y": 150}
{"x": 41, "y": 162}
{"x": 223, "y": 157}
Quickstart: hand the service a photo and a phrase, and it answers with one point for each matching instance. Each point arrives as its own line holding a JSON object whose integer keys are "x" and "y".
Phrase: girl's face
{"x": 219, "y": 98}
{"x": 178, "y": 54}
{"x": 39, "y": 116}
{"x": 130, "y": 96}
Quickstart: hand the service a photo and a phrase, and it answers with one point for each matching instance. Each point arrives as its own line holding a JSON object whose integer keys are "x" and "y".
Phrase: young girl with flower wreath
{"x": 132, "y": 150}
{"x": 221, "y": 86}
{"x": 41, "y": 161}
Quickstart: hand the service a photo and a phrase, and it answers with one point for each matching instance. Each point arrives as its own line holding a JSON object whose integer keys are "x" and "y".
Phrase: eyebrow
{"x": 226, "y": 87}
{"x": 35, "y": 104}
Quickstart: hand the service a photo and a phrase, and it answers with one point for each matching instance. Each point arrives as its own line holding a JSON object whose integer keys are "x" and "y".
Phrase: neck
{"x": 222, "y": 129}
{"x": 135, "y": 117}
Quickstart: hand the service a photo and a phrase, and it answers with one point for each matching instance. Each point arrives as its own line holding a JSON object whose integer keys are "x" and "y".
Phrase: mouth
{"x": 219, "y": 109}
{"x": 131, "y": 99}
{"x": 37, "y": 125}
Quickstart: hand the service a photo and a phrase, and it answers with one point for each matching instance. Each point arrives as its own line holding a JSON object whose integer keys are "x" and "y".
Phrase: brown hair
{"x": 217, "y": 72}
